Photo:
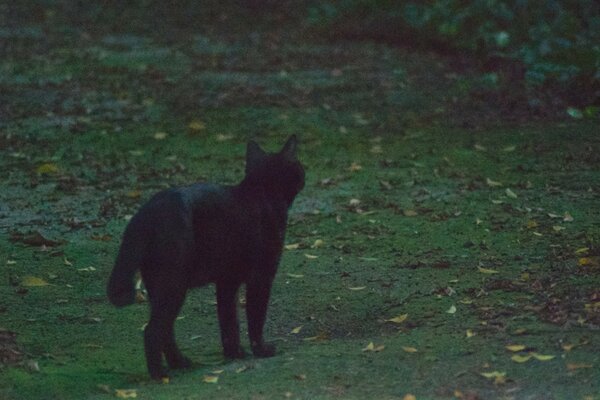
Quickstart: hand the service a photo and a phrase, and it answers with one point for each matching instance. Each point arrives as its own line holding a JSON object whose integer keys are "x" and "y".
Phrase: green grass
{"x": 427, "y": 226}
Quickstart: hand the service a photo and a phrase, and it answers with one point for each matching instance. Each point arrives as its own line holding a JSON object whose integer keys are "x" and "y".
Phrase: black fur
{"x": 206, "y": 233}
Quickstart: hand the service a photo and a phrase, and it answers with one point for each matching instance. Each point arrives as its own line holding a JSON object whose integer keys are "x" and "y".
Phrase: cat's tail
{"x": 121, "y": 285}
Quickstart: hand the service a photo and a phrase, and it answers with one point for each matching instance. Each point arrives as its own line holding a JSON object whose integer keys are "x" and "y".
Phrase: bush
{"x": 557, "y": 41}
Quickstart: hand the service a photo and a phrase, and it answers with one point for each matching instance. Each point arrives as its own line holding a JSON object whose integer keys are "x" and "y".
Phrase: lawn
{"x": 440, "y": 248}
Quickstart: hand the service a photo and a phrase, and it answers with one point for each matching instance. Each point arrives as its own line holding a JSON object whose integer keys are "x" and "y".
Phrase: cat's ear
{"x": 290, "y": 149}
{"x": 253, "y": 155}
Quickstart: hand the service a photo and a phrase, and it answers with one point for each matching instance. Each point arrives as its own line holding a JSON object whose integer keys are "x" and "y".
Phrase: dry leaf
{"x": 410, "y": 213}
{"x": 499, "y": 377}
{"x": 532, "y": 224}
{"x": 399, "y": 319}
{"x": 521, "y": 358}
{"x": 409, "y": 349}
{"x": 160, "y": 135}
{"x": 310, "y": 256}
{"x": 297, "y": 329}
{"x": 356, "y": 288}
{"x": 297, "y": 276}
{"x": 492, "y": 183}
{"x": 196, "y": 125}
{"x": 451, "y": 310}
{"x": 582, "y": 250}
{"x": 223, "y": 138}
{"x": 510, "y": 193}
{"x": 567, "y": 346}
{"x": 542, "y": 357}
{"x": 516, "y": 347}
{"x": 46, "y": 169}
{"x": 509, "y": 149}
{"x": 318, "y": 243}
{"x": 355, "y": 167}
{"x": 292, "y": 246}
{"x": 479, "y": 147}
{"x": 373, "y": 348}
{"x": 30, "y": 281}
{"x": 589, "y": 261}
{"x": 487, "y": 270}
{"x": 409, "y": 397}
{"x": 573, "y": 366}
{"x": 470, "y": 333}
{"x": 126, "y": 393}
{"x": 568, "y": 217}
{"x": 210, "y": 379}
{"x": 165, "y": 380}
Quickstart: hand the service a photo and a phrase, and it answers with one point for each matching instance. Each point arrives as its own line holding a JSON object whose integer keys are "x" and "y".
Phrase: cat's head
{"x": 279, "y": 173}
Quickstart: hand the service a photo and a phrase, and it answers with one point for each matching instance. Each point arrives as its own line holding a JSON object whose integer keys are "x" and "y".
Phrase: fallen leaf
{"x": 521, "y": 358}
{"x": 47, "y": 169}
{"x": 297, "y": 276}
{"x": 542, "y": 357}
{"x": 492, "y": 183}
{"x": 134, "y": 194}
{"x": 409, "y": 349}
{"x": 356, "y": 288}
{"x": 373, "y": 348}
{"x": 470, "y": 333}
{"x": 293, "y": 246}
{"x": 573, "y": 366}
{"x": 410, "y": 213}
{"x": 210, "y": 379}
{"x": 354, "y": 167}
{"x": 589, "y": 261}
{"x": 310, "y": 256}
{"x": 487, "y": 270}
{"x": 86, "y": 269}
{"x": 510, "y": 193}
{"x": 67, "y": 262}
{"x": 558, "y": 228}
{"x": 399, "y": 319}
{"x": 30, "y": 281}
{"x": 126, "y": 393}
{"x": 567, "y": 346}
{"x": 196, "y": 125}
{"x": 509, "y": 149}
{"x": 318, "y": 243}
{"x": 479, "y": 147}
{"x": 451, "y": 310}
{"x": 223, "y": 138}
{"x": 160, "y": 135}
{"x": 409, "y": 397}
{"x": 165, "y": 380}
{"x": 568, "y": 217}
{"x": 296, "y": 330}
{"x": 516, "y": 347}
{"x": 499, "y": 377}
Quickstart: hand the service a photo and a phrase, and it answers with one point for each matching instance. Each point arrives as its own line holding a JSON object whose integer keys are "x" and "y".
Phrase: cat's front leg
{"x": 228, "y": 321}
{"x": 258, "y": 291}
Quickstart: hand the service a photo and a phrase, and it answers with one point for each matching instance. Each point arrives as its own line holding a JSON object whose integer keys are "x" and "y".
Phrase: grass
{"x": 485, "y": 235}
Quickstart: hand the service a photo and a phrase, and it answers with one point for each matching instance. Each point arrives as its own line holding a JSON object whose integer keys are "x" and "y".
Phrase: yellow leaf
{"x": 310, "y": 256}
{"x": 409, "y": 349}
{"x": 573, "y": 366}
{"x": 47, "y": 168}
{"x": 470, "y": 333}
{"x": 589, "y": 261}
{"x": 297, "y": 330}
{"x": 542, "y": 357}
{"x": 218, "y": 371}
{"x": 292, "y": 246}
{"x": 451, "y": 310}
{"x": 196, "y": 125}
{"x": 493, "y": 374}
{"x": 487, "y": 271}
{"x": 355, "y": 167}
{"x": 134, "y": 194}
{"x": 318, "y": 243}
{"x": 492, "y": 183}
{"x": 520, "y": 358}
{"x": 410, "y": 213}
{"x": 210, "y": 379}
{"x": 160, "y": 135}
{"x": 537, "y": 234}
{"x": 582, "y": 250}
{"x": 126, "y": 393}
{"x": 516, "y": 347}
{"x": 399, "y": 319}
{"x": 356, "y": 288}
{"x": 373, "y": 348}
{"x": 568, "y": 346}
{"x": 558, "y": 228}
{"x": 297, "y": 276}
{"x": 409, "y": 397}
{"x": 165, "y": 380}
{"x": 532, "y": 224}
{"x": 568, "y": 217}
{"x": 510, "y": 193}
{"x": 33, "y": 281}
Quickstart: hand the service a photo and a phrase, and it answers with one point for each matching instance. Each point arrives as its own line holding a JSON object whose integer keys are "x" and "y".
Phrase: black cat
{"x": 206, "y": 233}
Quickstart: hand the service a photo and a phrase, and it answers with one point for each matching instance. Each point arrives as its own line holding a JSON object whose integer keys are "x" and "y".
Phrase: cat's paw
{"x": 234, "y": 354}
{"x": 263, "y": 350}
